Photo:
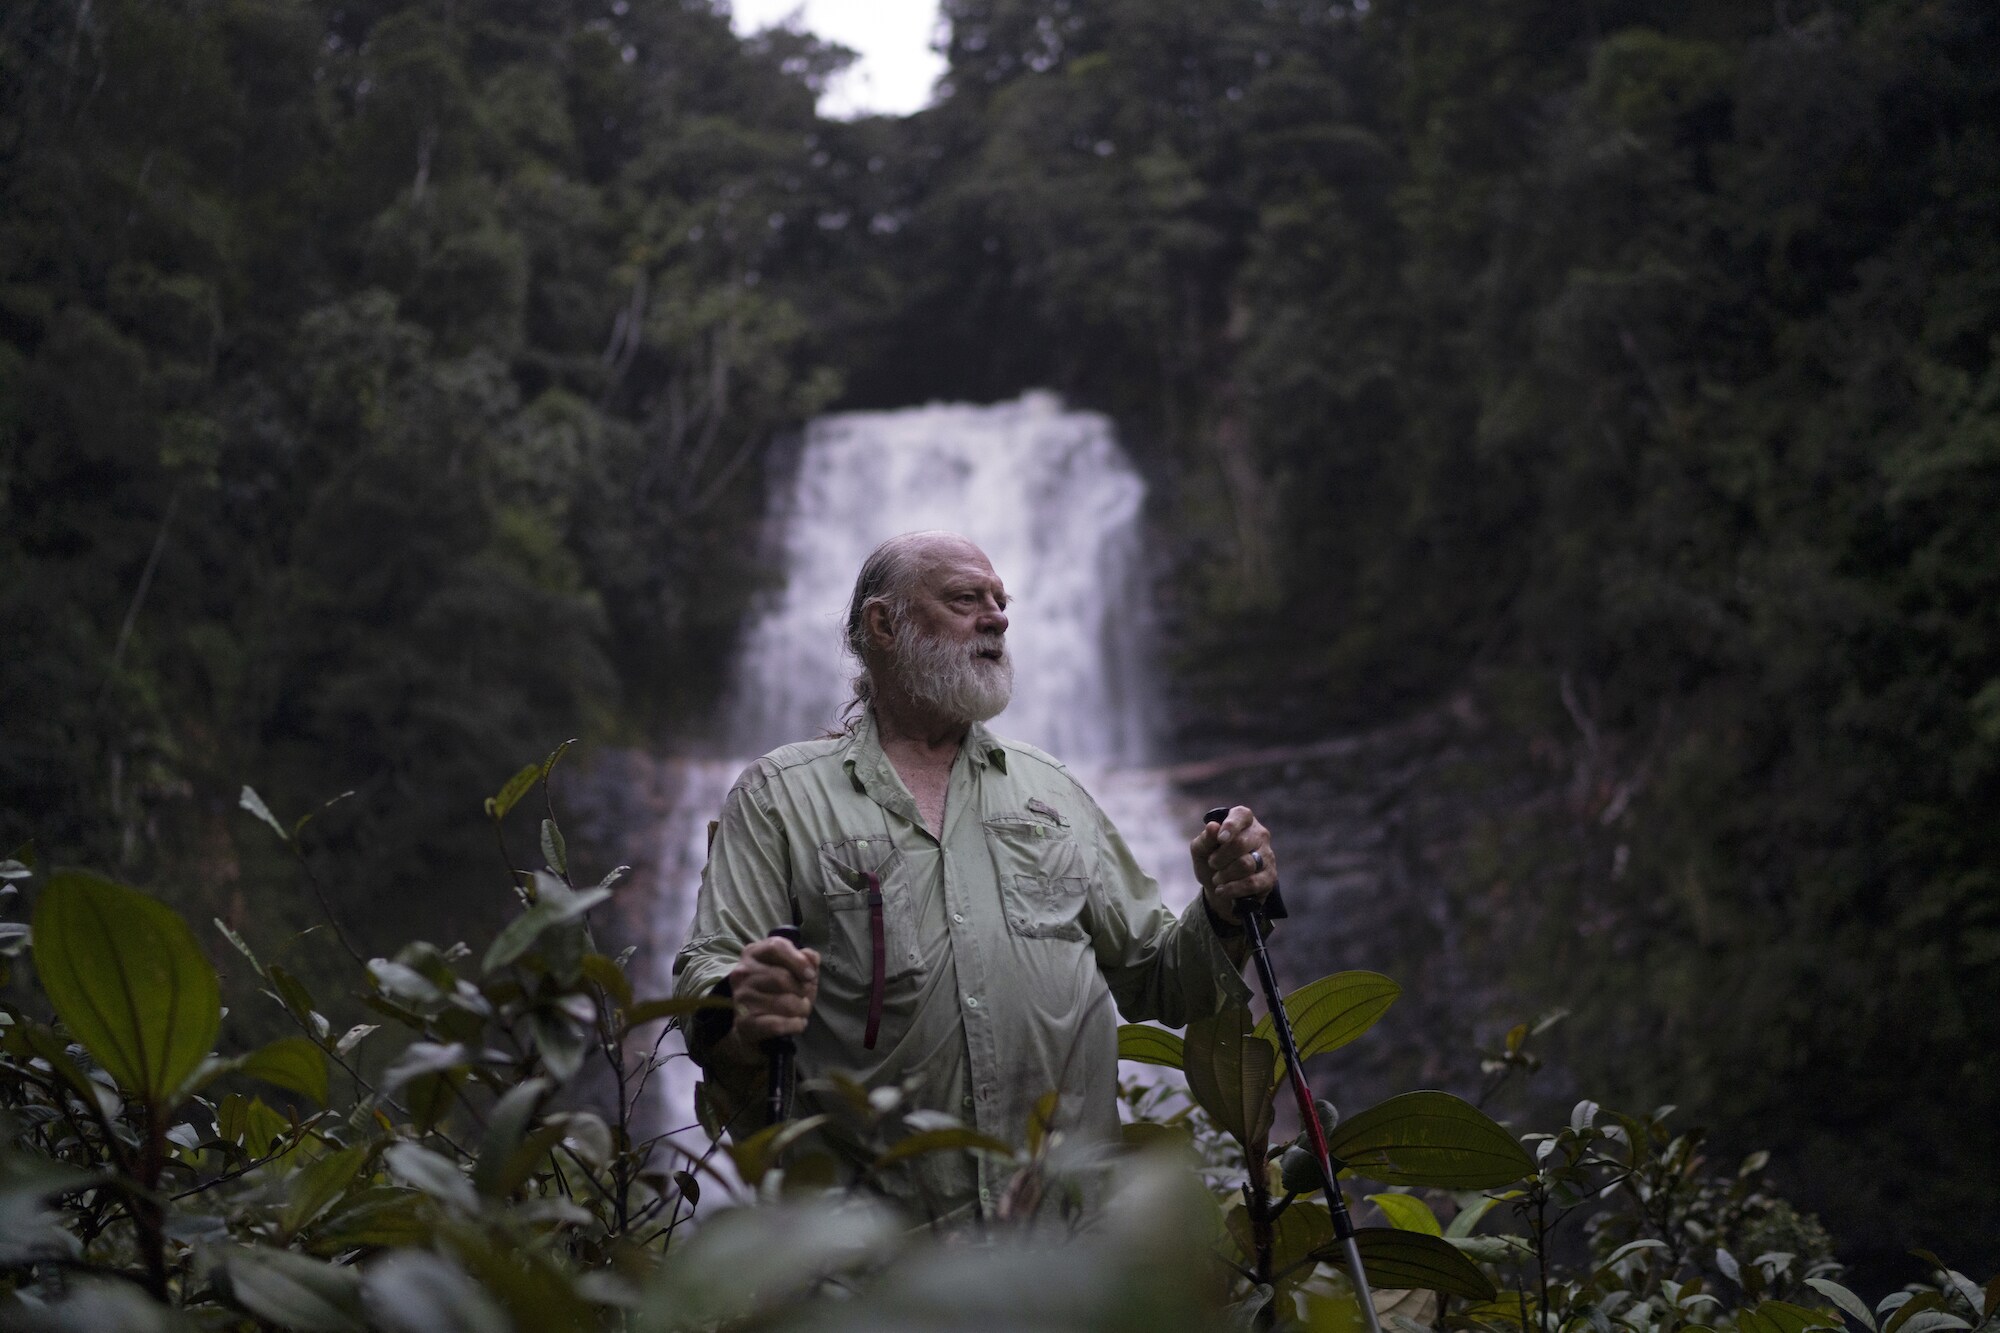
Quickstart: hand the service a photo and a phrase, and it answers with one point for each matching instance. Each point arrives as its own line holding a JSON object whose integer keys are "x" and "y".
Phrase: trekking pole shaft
{"x": 1252, "y": 915}
{"x": 780, "y": 1053}
{"x": 1336, "y": 1202}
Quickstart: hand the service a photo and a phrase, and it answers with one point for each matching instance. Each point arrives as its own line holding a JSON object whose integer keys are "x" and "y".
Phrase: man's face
{"x": 951, "y": 651}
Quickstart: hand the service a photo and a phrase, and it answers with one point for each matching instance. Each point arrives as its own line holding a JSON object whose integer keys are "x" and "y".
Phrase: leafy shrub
{"x": 147, "y": 1182}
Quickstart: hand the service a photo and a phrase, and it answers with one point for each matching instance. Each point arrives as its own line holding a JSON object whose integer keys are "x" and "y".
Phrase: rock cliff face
{"x": 1381, "y": 836}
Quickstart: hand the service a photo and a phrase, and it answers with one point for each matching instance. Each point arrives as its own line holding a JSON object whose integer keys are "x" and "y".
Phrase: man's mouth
{"x": 991, "y": 654}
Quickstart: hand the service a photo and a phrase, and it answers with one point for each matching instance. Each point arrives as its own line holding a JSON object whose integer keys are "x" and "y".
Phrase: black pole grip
{"x": 780, "y": 1051}
{"x": 1272, "y": 907}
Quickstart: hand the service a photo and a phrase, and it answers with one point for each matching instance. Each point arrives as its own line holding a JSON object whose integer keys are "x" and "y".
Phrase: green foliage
{"x": 465, "y": 1187}
{"x": 383, "y": 394}
{"x": 128, "y": 980}
{"x": 1625, "y": 370}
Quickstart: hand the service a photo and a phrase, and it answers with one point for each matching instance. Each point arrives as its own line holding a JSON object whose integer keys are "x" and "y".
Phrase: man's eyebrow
{"x": 978, "y": 585}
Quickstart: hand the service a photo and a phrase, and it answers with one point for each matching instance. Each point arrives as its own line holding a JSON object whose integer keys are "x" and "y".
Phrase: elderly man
{"x": 966, "y": 909}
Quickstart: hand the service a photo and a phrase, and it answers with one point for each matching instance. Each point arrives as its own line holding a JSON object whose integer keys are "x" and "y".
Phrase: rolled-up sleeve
{"x": 1160, "y": 967}
{"x": 745, "y": 889}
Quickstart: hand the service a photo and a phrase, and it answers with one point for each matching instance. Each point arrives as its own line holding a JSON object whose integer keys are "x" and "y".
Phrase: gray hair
{"x": 889, "y": 576}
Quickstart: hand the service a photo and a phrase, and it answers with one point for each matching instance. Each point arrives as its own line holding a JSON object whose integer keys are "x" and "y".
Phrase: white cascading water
{"x": 1054, "y": 502}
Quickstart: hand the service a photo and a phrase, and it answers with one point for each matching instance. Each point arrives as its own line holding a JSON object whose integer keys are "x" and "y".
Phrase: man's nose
{"x": 993, "y": 619}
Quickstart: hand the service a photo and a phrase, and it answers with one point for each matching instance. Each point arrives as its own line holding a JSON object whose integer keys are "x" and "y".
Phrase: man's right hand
{"x": 773, "y": 986}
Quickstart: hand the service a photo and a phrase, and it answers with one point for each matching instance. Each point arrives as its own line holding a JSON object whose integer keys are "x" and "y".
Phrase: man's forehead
{"x": 956, "y": 561}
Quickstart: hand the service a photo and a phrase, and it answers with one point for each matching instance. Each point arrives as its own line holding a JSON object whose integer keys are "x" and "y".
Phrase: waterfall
{"x": 1054, "y": 502}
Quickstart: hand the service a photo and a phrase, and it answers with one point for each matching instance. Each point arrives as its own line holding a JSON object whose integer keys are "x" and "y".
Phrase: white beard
{"x": 950, "y": 676}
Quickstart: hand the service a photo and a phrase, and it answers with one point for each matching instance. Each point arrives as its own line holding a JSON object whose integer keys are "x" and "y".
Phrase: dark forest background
{"x": 388, "y": 391}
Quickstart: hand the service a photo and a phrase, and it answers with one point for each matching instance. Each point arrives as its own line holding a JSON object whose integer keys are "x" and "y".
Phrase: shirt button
{"x": 972, "y": 1001}
{"x": 958, "y": 917}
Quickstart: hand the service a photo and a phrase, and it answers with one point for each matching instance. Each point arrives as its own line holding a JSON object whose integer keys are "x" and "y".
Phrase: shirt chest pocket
{"x": 1043, "y": 883}
{"x": 871, "y": 925}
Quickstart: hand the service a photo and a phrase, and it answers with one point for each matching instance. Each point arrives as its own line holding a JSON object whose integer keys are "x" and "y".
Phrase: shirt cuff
{"x": 1224, "y": 947}
{"x": 1223, "y": 930}
{"x": 709, "y": 1026}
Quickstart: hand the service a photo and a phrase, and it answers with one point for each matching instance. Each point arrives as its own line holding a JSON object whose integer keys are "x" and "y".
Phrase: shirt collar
{"x": 985, "y": 748}
{"x": 868, "y": 767}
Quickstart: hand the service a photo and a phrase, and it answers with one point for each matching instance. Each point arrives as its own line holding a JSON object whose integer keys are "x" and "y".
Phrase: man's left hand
{"x": 1233, "y": 859}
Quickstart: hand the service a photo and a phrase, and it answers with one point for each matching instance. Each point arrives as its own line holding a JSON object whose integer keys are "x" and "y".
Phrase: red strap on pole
{"x": 878, "y": 981}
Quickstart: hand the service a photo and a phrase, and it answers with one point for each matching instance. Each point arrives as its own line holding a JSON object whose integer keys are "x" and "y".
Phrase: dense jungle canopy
{"x": 388, "y": 391}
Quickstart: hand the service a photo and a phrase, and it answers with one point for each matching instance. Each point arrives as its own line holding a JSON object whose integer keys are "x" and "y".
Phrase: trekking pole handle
{"x": 781, "y": 1052}
{"x": 1271, "y": 907}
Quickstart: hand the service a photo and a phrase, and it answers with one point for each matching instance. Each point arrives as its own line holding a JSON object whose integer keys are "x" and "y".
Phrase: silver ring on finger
{"x": 1257, "y": 862}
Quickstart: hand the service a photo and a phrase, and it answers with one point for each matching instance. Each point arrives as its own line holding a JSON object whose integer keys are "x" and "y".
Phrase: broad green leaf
{"x": 555, "y": 851}
{"x": 254, "y": 803}
{"x": 292, "y": 994}
{"x": 510, "y": 795}
{"x": 1505, "y": 1310}
{"x": 295, "y": 1291}
{"x": 760, "y": 1152}
{"x": 1406, "y": 1212}
{"x": 436, "y": 1175}
{"x": 353, "y": 1037}
{"x": 379, "y": 1215}
{"x": 421, "y": 1058}
{"x": 678, "y": 1006}
{"x": 1148, "y": 1045}
{"x": 1470, "y": 1214}
{"x": 1430, "y": 1138}
{"x": 611, "y": 977}
{"x": 1925, "y": 1321}
{"x": 554, "y": 904}
{"x": 249, "y": 1122}
{"x": 506, "y": 1123}
{"x": 765, "y": 1150}
{"x": 549, "y": 764}
{"x": 752, "y": 1260}
{"x": 1630, "y": 1248}
{"x": 315, "y": 1188}
{"x": 292, "y": 1063}
{"x": 128, "y": 980}
{"x": 525, "y": 1160}
{"x": 942, "y": 1140}
{"x": 404, "y": 985}
{"x": 1330, "y": 1012}
{"x": 1850, "y": 1303}
{"x": 1784, "y": 1317}
{"x": 561, "y": 1043}
{"x": 1297, "y": 1236}
{"x": 1229, "y": 1074}
{"x": 536, "y": 1291}
{"x": 1410, "y": 1259}
{"x": 415, "y": 1291}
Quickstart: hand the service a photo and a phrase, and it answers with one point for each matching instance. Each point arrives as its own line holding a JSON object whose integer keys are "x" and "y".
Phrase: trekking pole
{"x": 781, "y": 1050}
{"x": 1253, "y": 915}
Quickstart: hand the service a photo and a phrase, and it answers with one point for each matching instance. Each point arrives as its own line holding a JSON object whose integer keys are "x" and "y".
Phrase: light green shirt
{"x": 1007, "y": 940}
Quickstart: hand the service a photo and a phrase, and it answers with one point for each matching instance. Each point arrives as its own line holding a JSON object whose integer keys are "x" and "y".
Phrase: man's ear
{"x": 880, "y": 624}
